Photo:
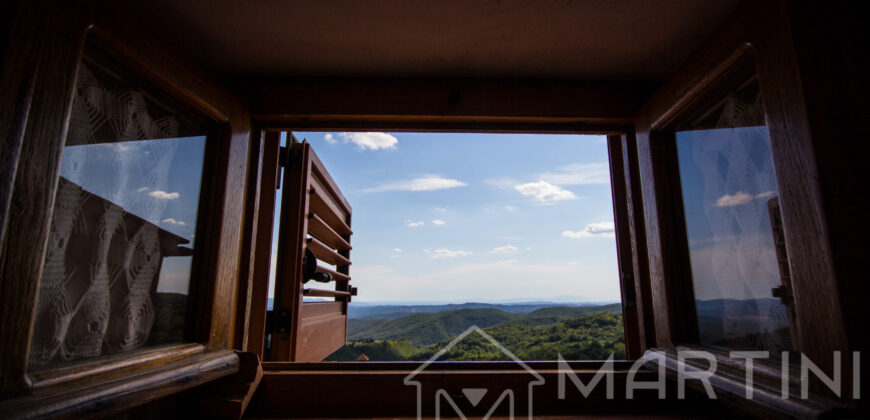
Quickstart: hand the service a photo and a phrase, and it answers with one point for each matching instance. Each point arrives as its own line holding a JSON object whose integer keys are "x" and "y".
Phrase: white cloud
{"x": 172, "y": 221}
{"x": 740, "y": 198}
{"x": 438, "y": 222}
{"x": 143, "y": 189}
{"x": 579, "y": 174}
{"x": 425, "y": 183}
{"x": 446, "y": 253}
{"x": 370, "y": 141}
{"x": 510, "y": 208}
{"x": 545, "y": 192}
{"x": 163, "y": 195}
{"x": 592, "y": 230}
{"x": 737, "y": 199}
{"x": 441, "y": 209}
{"x": 397, "y": 250}
{"x": 411, "y": 223}
{"x": 504, "y": 250}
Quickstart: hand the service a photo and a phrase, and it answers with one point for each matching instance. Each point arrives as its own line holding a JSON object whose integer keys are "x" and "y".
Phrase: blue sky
{"x": 447, "y": 217}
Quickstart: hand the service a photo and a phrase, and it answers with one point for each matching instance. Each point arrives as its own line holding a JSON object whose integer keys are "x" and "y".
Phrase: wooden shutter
{"x": 314, "y": 234}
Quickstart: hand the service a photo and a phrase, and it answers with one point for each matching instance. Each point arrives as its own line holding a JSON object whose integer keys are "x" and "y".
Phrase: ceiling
{"x": 540, "y": 39}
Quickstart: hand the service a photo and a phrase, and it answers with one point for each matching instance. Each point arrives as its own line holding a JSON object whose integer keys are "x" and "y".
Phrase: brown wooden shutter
{"x": 315, "y": 221}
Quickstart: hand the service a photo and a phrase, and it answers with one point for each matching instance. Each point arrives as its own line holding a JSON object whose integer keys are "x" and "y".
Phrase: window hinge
{"x": 290, "y": 158}
{"x": 278, "y": 322}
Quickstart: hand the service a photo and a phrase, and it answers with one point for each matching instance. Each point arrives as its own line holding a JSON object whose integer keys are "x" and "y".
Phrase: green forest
{"x": 574, "y": 332}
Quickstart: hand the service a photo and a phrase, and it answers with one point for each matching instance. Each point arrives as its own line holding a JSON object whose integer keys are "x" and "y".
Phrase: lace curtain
{"x": 102, "y": 262}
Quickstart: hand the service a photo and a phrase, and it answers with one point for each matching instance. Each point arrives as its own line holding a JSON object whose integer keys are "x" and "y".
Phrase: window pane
{"x": 729, "y": 196}
{"x": 117, "y": 267}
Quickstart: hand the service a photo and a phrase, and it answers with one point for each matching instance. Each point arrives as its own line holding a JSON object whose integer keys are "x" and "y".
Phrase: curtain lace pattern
{"x": 103, "y": 262}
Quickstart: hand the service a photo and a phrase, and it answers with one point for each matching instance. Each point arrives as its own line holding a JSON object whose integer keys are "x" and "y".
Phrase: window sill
{"x": 152, "y": 379}
{"x": 729, "y": 384}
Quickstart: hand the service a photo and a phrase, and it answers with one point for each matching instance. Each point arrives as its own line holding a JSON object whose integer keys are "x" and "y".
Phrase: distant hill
{"x": 426, "y": 328}
{"x": 398, "y": 311}
{"x": 749, "y": 323}
{"x": 588, "y": 337}
{"x": 423, "y": 329}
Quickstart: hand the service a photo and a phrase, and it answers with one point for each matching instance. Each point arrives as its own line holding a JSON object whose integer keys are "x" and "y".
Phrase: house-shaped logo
{"x": 474, "y": 394}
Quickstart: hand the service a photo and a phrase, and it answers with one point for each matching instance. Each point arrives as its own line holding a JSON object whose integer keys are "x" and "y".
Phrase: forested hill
{"x": 422, "y": 329}
{"x": 588, "y": 337}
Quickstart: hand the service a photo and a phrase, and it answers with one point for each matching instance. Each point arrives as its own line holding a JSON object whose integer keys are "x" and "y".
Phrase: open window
{"x": 530, "y": 235}
{"x": 738, "y": 258}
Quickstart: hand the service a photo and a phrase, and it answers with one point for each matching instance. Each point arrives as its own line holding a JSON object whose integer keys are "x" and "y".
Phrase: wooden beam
{"x": 625, "y": 256}
{"x": 398, "y": 101}
{"x": 255, "y": 330}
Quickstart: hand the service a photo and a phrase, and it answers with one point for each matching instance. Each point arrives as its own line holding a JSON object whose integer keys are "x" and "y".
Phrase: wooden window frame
{"x": 630, "y": 266}
{"x": 113, "y": 383}
{"x": 761, "y": 34}
{"x": 366, "y": 381}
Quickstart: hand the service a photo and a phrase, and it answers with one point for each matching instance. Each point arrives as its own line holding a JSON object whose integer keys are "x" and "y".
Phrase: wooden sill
{"x": 113, "y": 394}
{"x": 351, "y": 367}
{"x": 729, "y": 385}
{"x": 380, "y": 389}
{"x": 105, "y": 366}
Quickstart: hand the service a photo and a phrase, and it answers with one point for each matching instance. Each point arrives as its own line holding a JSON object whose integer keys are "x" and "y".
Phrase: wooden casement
{"x": 42, "y": 80}
{"x": 315, "y": 227}
{"x": 763, "y": 34}
{"x": 628, "y": 220}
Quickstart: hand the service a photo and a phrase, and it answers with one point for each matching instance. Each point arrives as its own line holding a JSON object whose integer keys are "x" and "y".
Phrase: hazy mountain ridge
{"x": 384, "y": 311}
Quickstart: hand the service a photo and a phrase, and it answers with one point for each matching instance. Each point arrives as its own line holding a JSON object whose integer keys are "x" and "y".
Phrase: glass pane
{"x": 117, "y": 267}
{"x": 730, "y": 196}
